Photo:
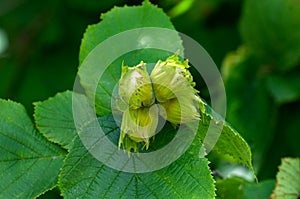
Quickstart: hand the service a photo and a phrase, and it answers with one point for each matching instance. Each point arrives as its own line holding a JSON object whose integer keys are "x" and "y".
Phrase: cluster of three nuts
{"x": 168, "y": 91}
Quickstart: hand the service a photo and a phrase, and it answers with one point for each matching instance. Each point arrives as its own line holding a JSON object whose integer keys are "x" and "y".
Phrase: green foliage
{"x": 54, "y": 119}
{"x": 284, "y": 89}
{"x": 230, "y": 187}
{"x": 271, "y": 29}
{"x": 29, "y": 164}
{"x": 258, "y": 90}
{"x": 260, "y": 191}
{"x": 229, "y": 141}
{"x": 113, "y": 22}
{"x": 82, "y": 175}
{"x": 237, "y": 188}
{"x": 73, "y": 178}
{"x": 249, "y": 104}
{"x": 261, "y": 78}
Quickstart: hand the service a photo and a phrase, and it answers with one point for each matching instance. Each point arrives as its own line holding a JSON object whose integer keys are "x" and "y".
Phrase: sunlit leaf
{"x": 84, "y": 176}
{"x": 29, "y": 164}
{"x": 54, "y": 117}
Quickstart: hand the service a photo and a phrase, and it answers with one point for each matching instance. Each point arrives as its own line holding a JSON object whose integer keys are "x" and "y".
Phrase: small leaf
{"x": 29, "y": 164}
{"x": 288, "y": 180}
{"x": 54, "y": 117}
{"x": 229, "y": 142}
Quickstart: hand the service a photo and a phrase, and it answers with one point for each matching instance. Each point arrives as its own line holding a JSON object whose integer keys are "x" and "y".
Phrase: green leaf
{"x": 288, "y": 180}
{"x": 260, "y": 190}
{"x": 271, "y": 29}
{"x": 83, "y": 176}
{"x": 229, "y": 141}
{"x": 284, "y": 89}
{"x": 29, "y": 164}
{"x": 230, "y": 188}
{"x": 114, "y": 22}
{"x": 249, "y": 107}
{"x": 237, "y": 188}
{"x": 54, "y": 117}
{"x": 120, "y": 19}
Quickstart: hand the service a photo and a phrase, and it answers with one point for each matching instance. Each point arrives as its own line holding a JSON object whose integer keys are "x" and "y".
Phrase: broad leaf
{"x": 101, "y": 47}
{"x": 84, "y": 176}
{"x": 271, "y": 29}
{"x": 288, "y": 180}
{"x": 29, "y": 164}
{"x": 249, "y": 109}
{"x": 54, "y": 117}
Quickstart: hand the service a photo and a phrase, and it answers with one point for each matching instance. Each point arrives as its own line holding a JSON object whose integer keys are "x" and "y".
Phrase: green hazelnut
{"x": 180, "y": 111}
{"x": 139, "y": 125}
{"x": 171, "y": 78}
{"x": 135, "y": 87}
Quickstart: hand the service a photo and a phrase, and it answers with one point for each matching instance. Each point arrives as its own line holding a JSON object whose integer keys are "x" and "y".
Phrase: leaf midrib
{"x": 33, "y": 158}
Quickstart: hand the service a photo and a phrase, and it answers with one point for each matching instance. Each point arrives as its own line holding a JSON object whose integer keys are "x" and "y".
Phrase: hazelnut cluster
{"x": 168, "y": 92}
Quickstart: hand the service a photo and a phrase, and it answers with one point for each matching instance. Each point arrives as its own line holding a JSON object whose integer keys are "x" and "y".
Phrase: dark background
{"x": 41, "y": 58}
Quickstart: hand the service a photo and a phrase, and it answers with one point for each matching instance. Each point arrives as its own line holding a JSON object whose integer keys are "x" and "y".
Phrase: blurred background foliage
{"x": 39, "y": 41}
{"x": 256, "y": 45}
